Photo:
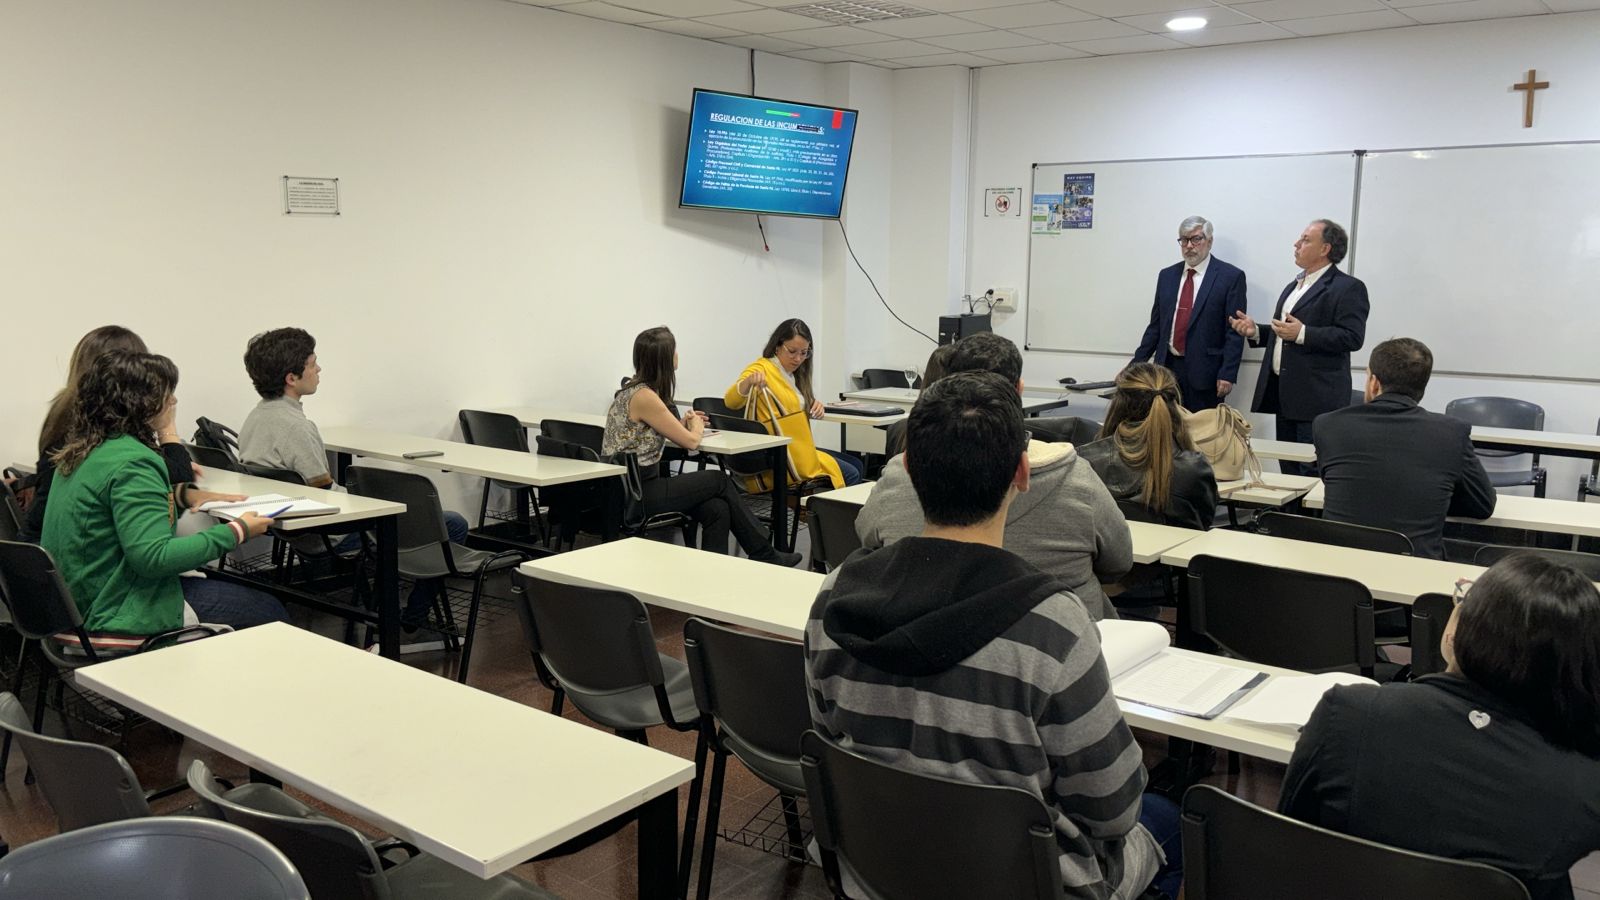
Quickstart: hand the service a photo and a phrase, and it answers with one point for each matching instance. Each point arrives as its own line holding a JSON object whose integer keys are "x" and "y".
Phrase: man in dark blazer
{"x": 1320, "y": 319}
{"x": 1391, "y": 464}
{"x": 1188, "y": 331}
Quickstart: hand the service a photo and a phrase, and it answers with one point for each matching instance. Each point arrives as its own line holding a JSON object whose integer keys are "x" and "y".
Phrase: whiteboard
{"x": 1091, "y": 289}
{"x": 1489, "y": 255}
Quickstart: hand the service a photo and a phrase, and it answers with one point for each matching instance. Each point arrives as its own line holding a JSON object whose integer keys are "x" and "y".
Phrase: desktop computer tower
{"x": 954, "y": 328}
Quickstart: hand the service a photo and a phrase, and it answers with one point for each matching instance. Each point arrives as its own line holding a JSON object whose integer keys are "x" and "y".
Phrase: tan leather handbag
{"x": 1223, "y": 435}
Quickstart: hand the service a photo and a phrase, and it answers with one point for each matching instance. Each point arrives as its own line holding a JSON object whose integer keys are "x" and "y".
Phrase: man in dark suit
{"x": 1389, "y": 463}
{"x": 1321, "y": 318}
{"x": 1188, "y": 331}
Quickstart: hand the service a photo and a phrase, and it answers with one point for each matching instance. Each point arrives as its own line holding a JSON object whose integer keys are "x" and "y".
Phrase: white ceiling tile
{"x": 922, "y": 26}
{"x": 983, "y": 40}
{"x": 546, "y": 2}
{"x": 1233, "y": 34}
{"x": 885, "y": 64}
{"x": 1144, "y": 43}
{"x": 763, "y": 42}
{"x": 686, "y": 9}
{"x": 1080, "y": 31}
{"x": 1475, "y": 9}
{"x": 610, "y": 13}
{"x": 1273, "y": 10}
{"x": 1367, "y": 21}
{"x": 833, "y": 36}
{"x": 824, "y": 55}
{"x": 950, "y": 6}
{"x": 895, "y": 49}
{"x": 1215, "y": 16}
{"x": 691, "y": 28}
{"x": 762, "y": 21}
{"x": 945, "y": 59}
{"x": 1572, "y": 5}
{"x": 1110, "y": 8}
{"x": 1040, "y": 53}
{"x": 1026, "y": 14}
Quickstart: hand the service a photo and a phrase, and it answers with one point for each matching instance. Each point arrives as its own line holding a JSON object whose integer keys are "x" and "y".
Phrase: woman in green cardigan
{"x": 109, "y": 524}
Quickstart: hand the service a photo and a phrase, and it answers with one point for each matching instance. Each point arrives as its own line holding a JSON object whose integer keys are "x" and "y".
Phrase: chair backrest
{"x": 1497, "y": 412}
{"x": 906, "y": 835}
{"x": 273, "y": 472}
{"x": 491, "y": 429}
{"x": 37, "y": 595}
{"x": 1340, "y": 534}
{"x": 1280, "y": 617}
{"x": 709, "y": 405}
{"x": 752, "y": 463}
{"x": 217, "y": 436}
{"x": 1134, "y": 511}
{"x": 159, "y": 858}
{"x": 1235, "y": 850}
{"x": 833, "y": 529}
{"x": 333, "y": 858}
{"x": 1429, "y": 614}
{"x": 85, "y": 784}
{"x": 422, "y": 524}
{"x": 1062, "y": 429}
{"x": 11, "y": 515}
{"x": 594, "y": 641}
{"x": 591, "y": 436}
{"x": 1587, "y": 563}
{"x": 885, "y": 378}
{"x": 213, "y": 458}
{"x": 754, "y": 686}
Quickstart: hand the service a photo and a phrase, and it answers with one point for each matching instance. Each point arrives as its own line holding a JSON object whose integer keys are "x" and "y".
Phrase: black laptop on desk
{"x": 863, "y": 408}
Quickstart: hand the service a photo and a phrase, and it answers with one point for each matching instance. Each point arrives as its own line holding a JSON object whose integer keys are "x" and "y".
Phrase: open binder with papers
{"x": 276, "y": 506}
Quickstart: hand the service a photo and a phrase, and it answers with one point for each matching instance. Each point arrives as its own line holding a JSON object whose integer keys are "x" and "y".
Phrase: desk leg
{"x": 341, "y": 465}
{"x": 780, "y": 497}
{"x": 388, "y": 586}
{"x": 658, "y": 847}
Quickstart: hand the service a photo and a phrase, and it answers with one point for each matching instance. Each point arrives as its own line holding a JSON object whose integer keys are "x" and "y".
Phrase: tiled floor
{"x": 607, "y": 869}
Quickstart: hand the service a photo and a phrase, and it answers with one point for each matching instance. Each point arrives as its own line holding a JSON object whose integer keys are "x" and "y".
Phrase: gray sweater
{"x": 1066, "y": 524}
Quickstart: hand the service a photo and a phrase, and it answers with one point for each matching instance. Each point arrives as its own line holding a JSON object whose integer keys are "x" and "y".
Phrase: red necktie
{"x": 1180, "y": 322}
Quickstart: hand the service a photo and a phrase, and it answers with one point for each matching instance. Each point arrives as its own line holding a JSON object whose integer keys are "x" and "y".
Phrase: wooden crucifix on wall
{"x": 1527, "y": 88}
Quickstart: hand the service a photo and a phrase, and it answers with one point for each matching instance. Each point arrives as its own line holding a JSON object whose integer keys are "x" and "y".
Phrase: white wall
{"x": 1424, "y": 86}
{"x": 509, "y": 180}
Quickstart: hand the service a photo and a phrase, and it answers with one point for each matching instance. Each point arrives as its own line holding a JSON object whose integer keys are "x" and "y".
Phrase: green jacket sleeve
{"x": 141, "y": 512}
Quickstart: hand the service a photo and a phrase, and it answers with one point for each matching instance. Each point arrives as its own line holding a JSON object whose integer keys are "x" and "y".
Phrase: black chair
{"x": 833, "y": 531}
{"x": 714, "y": 406}
{"x": 755, "y": 463}
{"x": 336, "y": 861}
{"x": 1589, "y": 486}
{"x": 213, "y": 458}
{"x": 596, "y": 646}
{"x": 592, "y": 506}
{"x": 426, "y": 550}
{"x": 217, "y": 436}
{"x": 635, "y": 521}
{"x": 751, "y": 693}
{"x": 905, "y": 835}
{"x": 1389, "y": 618}
{"x": 44, "y": 613}
{"x": 1062, "y": 429}
{"x": 11, "y": 514}
{"x": 504, "y": 432}
{"x": 1587, "y": 563}
{"x": 170, "y": 858}
{"x": 1235, "y": 850}
{"x": 1504, "y": 412}
{"x": 885, "y": 378}
{"x": 1280, "y": 617}
{"x": 1429, "y": 614}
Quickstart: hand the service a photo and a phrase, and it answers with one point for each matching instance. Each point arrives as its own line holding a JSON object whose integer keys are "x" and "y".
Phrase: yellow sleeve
{"x": 733, "y": 398}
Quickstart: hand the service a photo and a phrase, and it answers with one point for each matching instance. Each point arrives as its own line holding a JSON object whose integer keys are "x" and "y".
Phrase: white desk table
{"x": 531, "y": 416}
{"x": 1249, "y": 738}
{"x": 1276, "y": 489}
{"x": 855, "y": 493}
{"x": 381, "y": 516}
{"x": 907, "y": 397}
{"x": 1549, "y": 443}
{"x": 1515, "y": 511}
{"x": 484, "y": 782}
{"x": 487, "y": 462}
{"x": 1293, "y": 451}
{"x": 1150, "y": 540}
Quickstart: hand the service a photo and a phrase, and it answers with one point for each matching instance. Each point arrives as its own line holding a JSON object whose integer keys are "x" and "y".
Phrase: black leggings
{"x": 712, "y": 501}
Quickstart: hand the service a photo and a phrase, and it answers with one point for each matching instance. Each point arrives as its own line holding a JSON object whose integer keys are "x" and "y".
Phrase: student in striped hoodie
{"x": 946, "y": 654}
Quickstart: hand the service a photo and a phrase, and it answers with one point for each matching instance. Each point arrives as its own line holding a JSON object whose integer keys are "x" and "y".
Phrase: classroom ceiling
{"x": 978, "y": 33}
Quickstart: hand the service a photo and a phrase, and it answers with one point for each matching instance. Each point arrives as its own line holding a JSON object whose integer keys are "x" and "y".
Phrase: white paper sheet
{"x": 1289, "y": 700}
{"x": 1184, "y": 684}
{"x": 1126, "y": 644}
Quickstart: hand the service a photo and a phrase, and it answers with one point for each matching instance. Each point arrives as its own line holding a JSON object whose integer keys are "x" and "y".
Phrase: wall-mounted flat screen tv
{"x": 753, "y": 154}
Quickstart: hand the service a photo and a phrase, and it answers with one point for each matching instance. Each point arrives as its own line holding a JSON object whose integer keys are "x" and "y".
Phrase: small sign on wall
{"x": 310, "y": 196}
{"x": 1002, "y": 202}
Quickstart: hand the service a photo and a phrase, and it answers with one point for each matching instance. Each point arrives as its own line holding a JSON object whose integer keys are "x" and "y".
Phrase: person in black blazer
{"x": 1320, "y": 319}
{"x": 1497, "y": 760}
{"x": 1389, "y": 463}
{"x": 1205, "y": 353}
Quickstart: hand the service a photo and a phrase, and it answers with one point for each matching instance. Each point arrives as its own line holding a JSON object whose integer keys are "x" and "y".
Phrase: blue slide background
{"x": 757, "y": 169}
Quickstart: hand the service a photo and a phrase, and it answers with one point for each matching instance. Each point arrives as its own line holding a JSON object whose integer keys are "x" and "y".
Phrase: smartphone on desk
{"x": 422, "y": 454}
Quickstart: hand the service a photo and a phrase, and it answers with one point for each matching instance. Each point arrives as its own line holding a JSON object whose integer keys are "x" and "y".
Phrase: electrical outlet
{"x": 1005, "y": 299}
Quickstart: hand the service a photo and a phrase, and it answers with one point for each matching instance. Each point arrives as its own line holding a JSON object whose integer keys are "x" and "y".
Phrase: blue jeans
{"x": 225, "y": 603}
{"x": 849, "y": 466}
{"x": 1161, "y": 818}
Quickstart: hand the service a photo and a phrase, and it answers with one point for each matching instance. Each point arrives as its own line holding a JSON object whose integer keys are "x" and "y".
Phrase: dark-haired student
{"x": 945, "y": 654}
{"x": 894, "y": 436}
{"x": 1497, "y": 760}
{"x": 1389, "y": 463}
{"x": 1145, "y": 456}
{"x": 54, "y": 432}
{"x": 282, "y": 364}
{"x": 110, "y": 522}
{"x": 640, "y": 422}
{"x": 784, "y": 372}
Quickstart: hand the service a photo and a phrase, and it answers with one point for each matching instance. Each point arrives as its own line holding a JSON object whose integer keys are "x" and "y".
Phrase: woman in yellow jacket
{"x": 780, "y": 385}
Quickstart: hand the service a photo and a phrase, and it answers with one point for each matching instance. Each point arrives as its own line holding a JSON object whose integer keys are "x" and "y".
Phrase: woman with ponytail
{"x": 1144, "y": 454}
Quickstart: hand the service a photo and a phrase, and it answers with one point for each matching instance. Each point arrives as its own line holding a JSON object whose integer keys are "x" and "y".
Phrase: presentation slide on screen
{"x": 746, "y": 153}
